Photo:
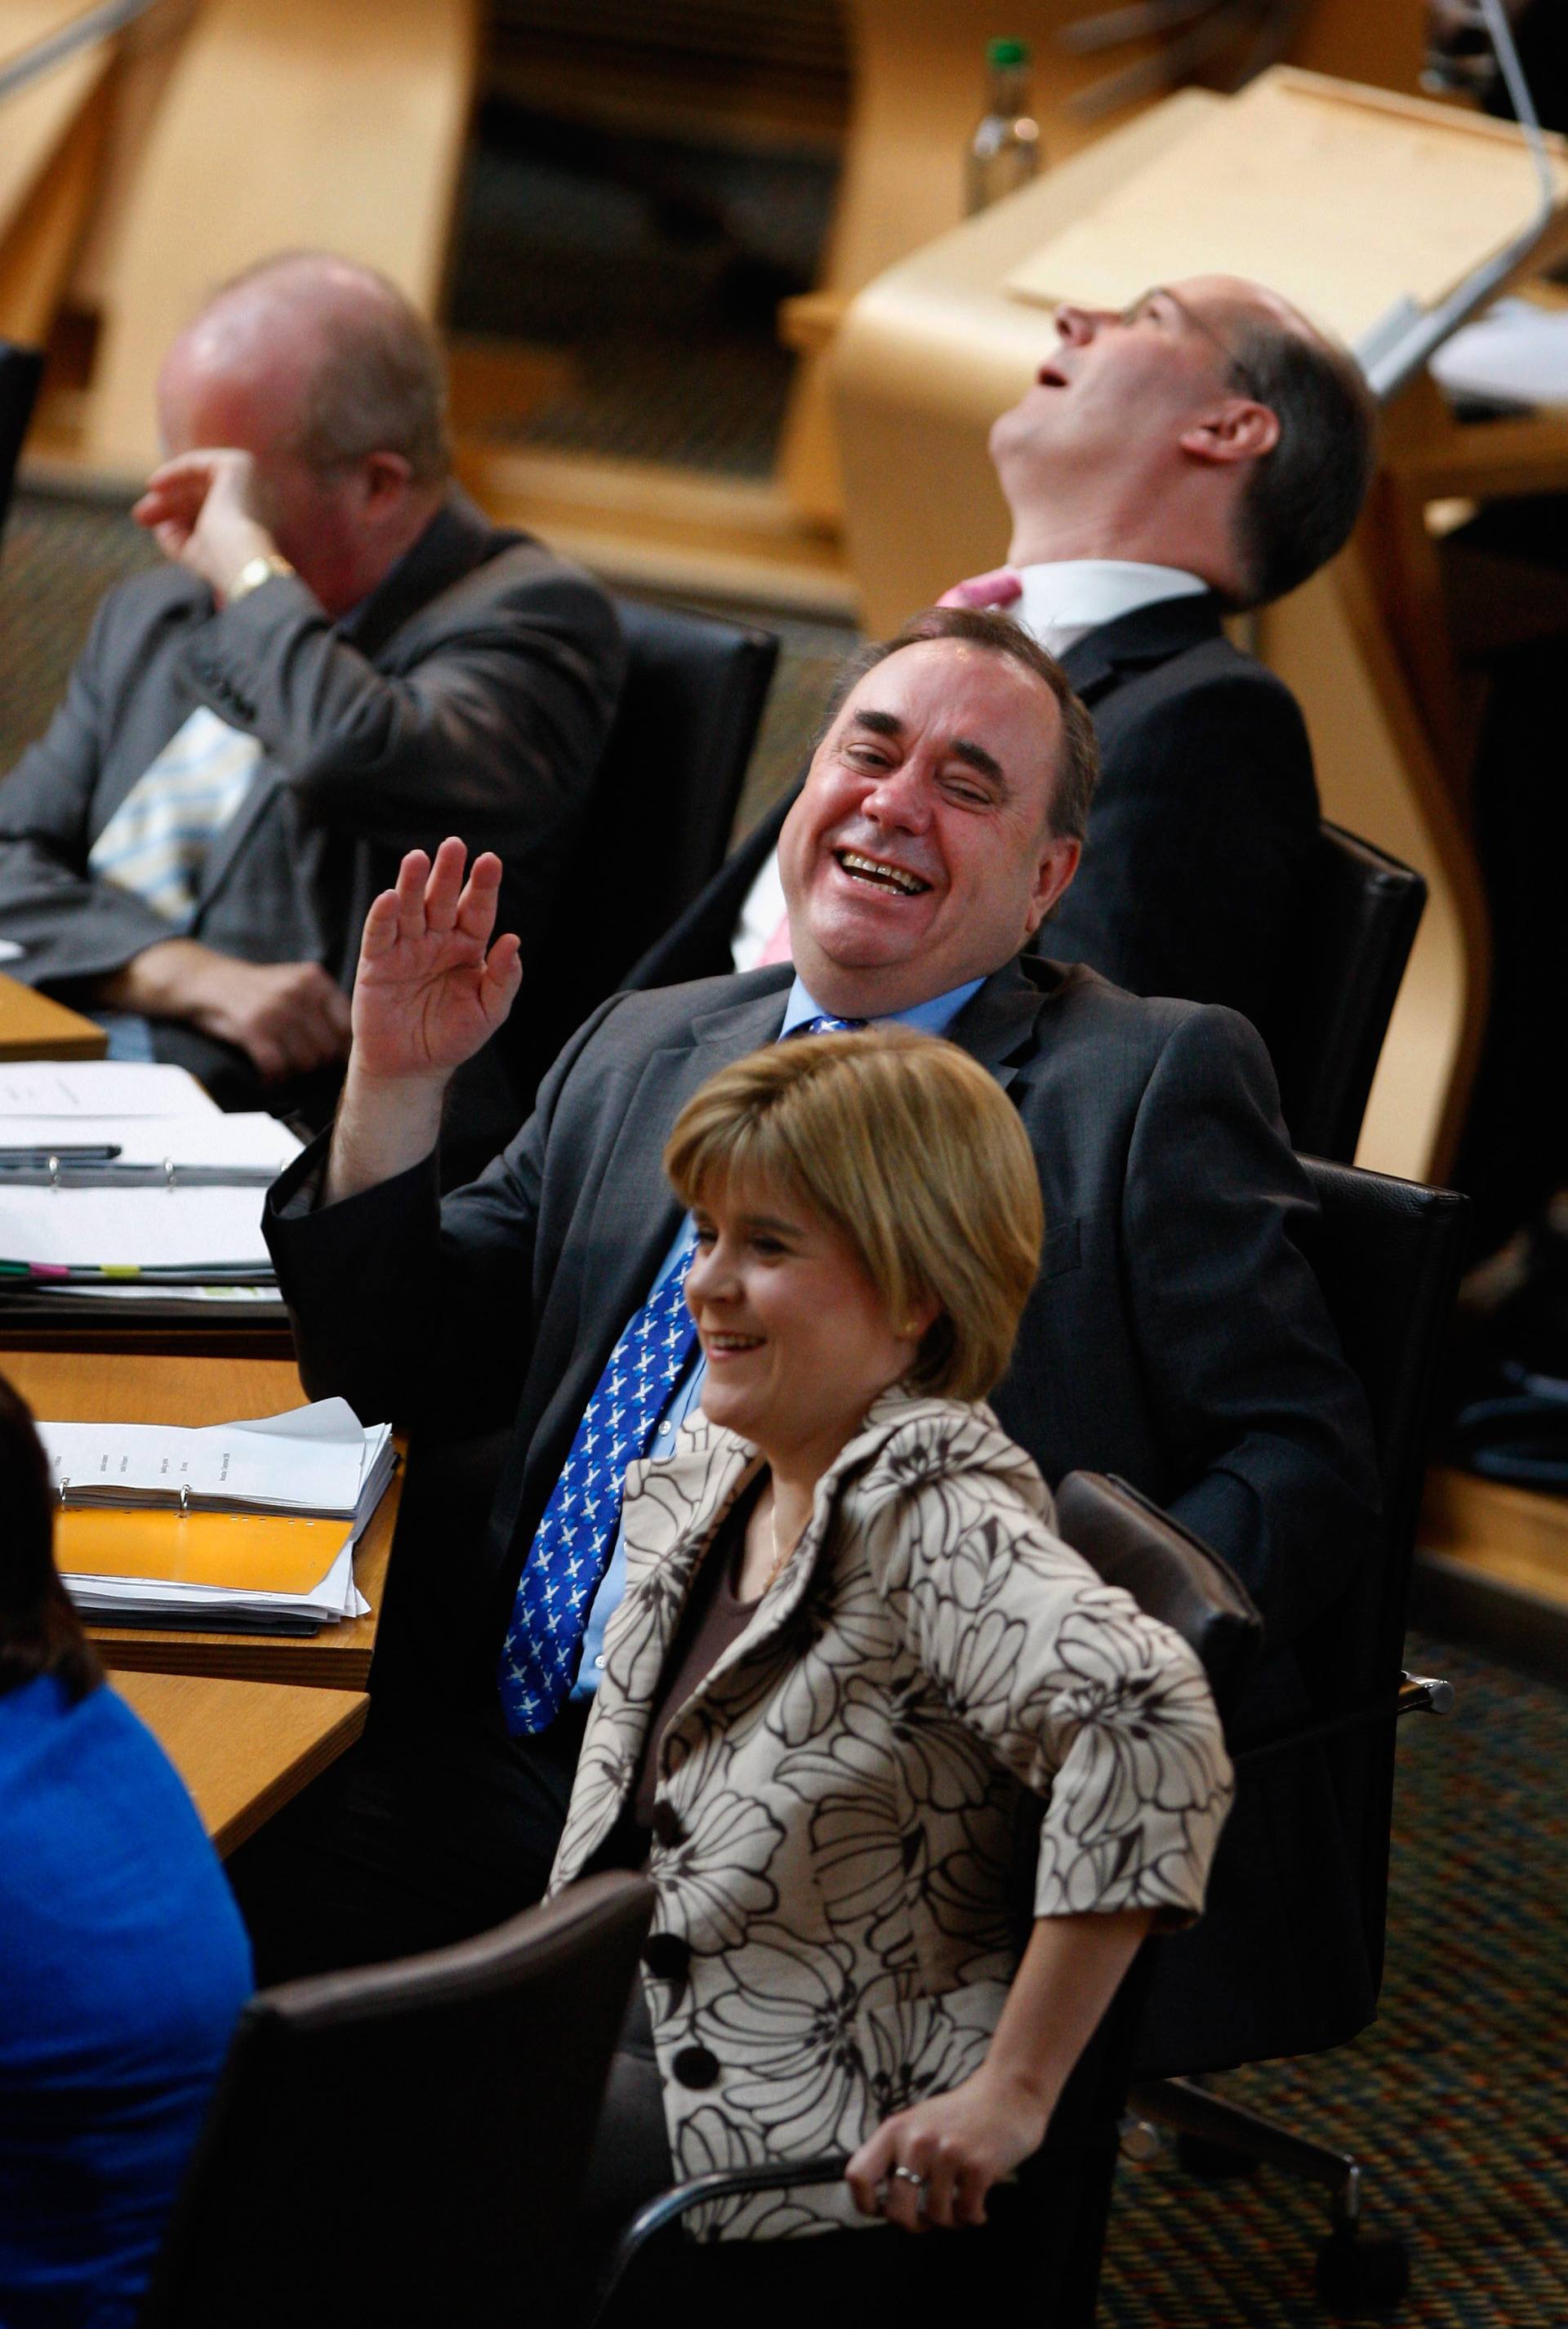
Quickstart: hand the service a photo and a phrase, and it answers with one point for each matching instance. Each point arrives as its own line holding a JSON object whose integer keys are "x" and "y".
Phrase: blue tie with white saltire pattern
{"x": 576, "y": 1533}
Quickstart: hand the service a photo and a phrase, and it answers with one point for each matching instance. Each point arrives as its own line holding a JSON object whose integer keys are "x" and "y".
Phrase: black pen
{"x": 81, "y": 1152}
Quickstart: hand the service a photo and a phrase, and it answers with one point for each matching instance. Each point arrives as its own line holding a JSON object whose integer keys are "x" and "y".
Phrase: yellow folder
{"x": 247, "y": 1553}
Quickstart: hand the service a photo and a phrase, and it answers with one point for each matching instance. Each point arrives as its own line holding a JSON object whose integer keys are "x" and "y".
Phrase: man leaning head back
{"x": 1209, "y": 426}
{"x": 326, "y": 389}
{"x": 942, "y": 815}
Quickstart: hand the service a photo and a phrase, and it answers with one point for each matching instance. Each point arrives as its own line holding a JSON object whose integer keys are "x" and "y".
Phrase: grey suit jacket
{"x": 470, "y": 694}
{"x": 1177, "y": 1336}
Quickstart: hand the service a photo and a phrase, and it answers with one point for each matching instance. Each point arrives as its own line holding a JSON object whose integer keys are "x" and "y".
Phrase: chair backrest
{"x": 1175, "y": 1577}
{"x": 1169, "y": 1572}
{"x": 664, "y": 803}
{"x": 1389, "y": 1256}
{"x": 1351, "y": 946}
{"x": 21, "y": 370}
{"x": 408, "y": 2142}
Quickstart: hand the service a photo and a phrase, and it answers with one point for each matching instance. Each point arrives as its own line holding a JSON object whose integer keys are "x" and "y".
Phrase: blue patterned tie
{"x": 576, "y": 1533}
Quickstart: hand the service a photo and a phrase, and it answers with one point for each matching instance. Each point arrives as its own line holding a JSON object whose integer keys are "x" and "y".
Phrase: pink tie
{"x": 999, "y": 588}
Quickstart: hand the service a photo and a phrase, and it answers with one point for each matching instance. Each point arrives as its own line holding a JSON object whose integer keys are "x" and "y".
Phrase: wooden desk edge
{"x": 244, "y": 1824}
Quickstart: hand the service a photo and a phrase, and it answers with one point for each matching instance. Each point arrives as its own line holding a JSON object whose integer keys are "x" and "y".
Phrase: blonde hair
{"x": 913, "y": 1152}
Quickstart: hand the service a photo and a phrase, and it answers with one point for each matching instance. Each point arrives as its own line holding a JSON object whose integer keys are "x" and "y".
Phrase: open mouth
{"x": 1049, "y": 377}
{"x": 878, "y": 875}
{"x": 731, "y": 1342}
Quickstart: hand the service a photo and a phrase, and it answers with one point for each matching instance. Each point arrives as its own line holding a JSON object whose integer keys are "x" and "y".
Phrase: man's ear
{"x": 1058, "y": 864}
{"x": 1239, "y": 430}
{"x": 387, "y": 477}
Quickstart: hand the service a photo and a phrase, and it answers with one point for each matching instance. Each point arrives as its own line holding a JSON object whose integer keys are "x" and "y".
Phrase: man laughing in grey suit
{"x": 1177, "y": 1336}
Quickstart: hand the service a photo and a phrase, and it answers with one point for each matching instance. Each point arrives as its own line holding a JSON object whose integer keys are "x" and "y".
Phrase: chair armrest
{"x": 1416, "y": 1695}
{"x": 1424, "y": 1694}
{"x": 722, "y": 2184}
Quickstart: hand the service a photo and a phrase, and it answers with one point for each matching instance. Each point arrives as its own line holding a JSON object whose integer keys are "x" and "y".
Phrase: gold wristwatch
{"x": 253, "y": 573}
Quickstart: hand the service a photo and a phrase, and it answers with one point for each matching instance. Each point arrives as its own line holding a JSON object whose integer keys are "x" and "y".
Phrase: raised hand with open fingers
{"x": 431, "y": 986}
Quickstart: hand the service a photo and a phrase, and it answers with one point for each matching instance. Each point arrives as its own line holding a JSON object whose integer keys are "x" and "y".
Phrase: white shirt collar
{"x": 1069, "y": 597}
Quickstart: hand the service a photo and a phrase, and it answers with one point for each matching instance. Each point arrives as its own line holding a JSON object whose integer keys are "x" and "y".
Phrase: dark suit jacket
{"x": 1177, "y": 1336}
{"x": 1203, "y": 832}
{"x": 470, "y": 694}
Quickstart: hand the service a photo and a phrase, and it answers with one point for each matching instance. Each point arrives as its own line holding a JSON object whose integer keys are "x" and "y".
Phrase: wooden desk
{"x": 243, "y": 1748}
{"x": 109, "y": 1387}
{"x": 32, "y": 1027}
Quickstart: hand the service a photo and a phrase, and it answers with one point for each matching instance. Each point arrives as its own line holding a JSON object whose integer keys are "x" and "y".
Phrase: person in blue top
{"x": 123, "y": 1961}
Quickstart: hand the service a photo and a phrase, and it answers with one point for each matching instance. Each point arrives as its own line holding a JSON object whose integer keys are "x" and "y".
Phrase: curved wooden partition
{"x": 50, "y": 135}
{"x": 286, "y": 124}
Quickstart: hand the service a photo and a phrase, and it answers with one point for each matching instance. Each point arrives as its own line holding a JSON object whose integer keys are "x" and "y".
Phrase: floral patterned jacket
{"x": 835, "y": 1816}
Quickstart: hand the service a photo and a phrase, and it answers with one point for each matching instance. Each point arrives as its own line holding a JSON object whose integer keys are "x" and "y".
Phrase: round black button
{"x": 666, "y": 1823}
{"x": 667, "y": 1956}
{"x": 694, "y": 2066}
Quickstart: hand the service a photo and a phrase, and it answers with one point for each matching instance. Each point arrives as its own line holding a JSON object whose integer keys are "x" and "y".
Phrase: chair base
{"x": 1357, "y": 2272}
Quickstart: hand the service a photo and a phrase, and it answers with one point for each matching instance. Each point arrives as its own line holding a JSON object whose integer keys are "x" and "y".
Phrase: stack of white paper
{"x": 1516, "y": 353}
{"x": 316, "y": 1462}
{"x": 219, "y": 1608}
{"x": 176, "y": 1214}
{"x": 66, "y": 1088}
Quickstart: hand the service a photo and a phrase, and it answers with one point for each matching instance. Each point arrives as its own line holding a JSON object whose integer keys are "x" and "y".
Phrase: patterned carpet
{"x": 1456, "y": 2101}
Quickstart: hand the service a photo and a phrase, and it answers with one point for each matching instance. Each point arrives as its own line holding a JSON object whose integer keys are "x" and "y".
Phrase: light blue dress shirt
{"x": 932, "y": 1018}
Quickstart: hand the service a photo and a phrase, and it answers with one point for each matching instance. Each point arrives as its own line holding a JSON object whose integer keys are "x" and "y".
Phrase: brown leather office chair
{"x": 406, "y": 2143}
{"x": 1326, "y": 1026}
{"x": 1052, "y": 2248}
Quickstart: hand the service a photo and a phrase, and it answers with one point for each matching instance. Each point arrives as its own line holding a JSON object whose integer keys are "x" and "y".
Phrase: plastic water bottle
{"x": 1005, "y": 150}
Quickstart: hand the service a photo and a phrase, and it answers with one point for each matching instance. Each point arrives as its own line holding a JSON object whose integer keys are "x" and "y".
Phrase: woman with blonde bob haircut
{"x": 850, "y": 1642}
{"x": 878, "y": 1134}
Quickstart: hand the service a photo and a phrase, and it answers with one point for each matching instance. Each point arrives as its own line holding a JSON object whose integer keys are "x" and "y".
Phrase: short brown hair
{"x": 907, "y": 1147}
{"x": 1077, "y": 771}
{"x": 1302, "y": 498}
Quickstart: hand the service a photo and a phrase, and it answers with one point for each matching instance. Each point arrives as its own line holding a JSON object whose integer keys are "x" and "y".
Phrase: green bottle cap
{"x": 1006, "y": 53}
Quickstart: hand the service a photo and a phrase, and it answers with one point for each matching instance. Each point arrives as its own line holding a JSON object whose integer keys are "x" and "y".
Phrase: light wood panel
{"x": 33, "y": 1026}
{"x": 286, "y": 124}
{"x": 39, "y": 118}
{"x": 1340, "y": 198}
{"x": 39, "y": 244}
{"x": 243, "y": 1749}
{"x": 107, "y": 1386}
{"x": 1509, "y": 1536}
